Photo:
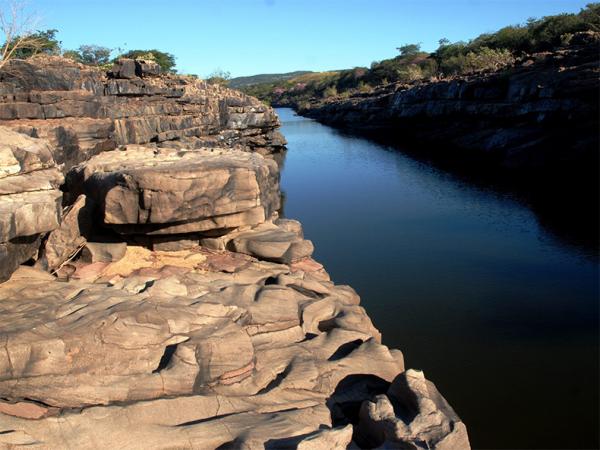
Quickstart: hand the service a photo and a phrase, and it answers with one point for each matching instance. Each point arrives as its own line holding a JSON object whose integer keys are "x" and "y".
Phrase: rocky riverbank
{"x": 151, "y": 295}
{"x": 535, "y": 121}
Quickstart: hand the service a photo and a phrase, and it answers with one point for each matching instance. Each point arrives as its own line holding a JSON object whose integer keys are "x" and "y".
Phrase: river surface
{"x": 495, "y": 309}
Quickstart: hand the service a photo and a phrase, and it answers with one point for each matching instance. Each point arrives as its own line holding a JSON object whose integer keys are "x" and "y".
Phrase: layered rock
{"x": 191, "y": 356}
{"x": 30, "y": 201}
{"x": 83, "y": 111}
{"x": 142, "y": 190}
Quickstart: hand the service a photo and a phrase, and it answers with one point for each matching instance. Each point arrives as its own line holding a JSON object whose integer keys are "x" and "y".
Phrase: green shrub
{"x": 40, "y": 42}
{"x": 409, "y": 73}
{"x": 364, "y": 88}
{"x": 331, "y": 91}
{"x": 483, "y": 59}
{"x": 166, "y": 61}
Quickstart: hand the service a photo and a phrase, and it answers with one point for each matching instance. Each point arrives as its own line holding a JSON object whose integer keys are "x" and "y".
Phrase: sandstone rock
{"x": 170, "y": 336}
{"x": 413, "y": 414}
{"x": 279, "y": 242}
{"x": 29, "y": 213}
{"x": 190, "y": 356}
{"x": 174, "y": 243}
{"x": 70, "y": 236}
{"x": 26, "y": 410}
{"x": 167, "y": 191}
{"x": 290, "y": 225}
{"x": 334, "y": 439}
{"x": 15, "y": 252}
{"x": 103, "y": 251}
{"x": 30, "y": 201}
{"x": 273, "y": 244}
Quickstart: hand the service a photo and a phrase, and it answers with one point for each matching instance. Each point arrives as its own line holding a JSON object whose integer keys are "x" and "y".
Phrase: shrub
{"x": 482, "y": 60}
{"x": 364, "y": 88}
{"x": 219, "y": 76}
{"x": 40, "y": 42}
{"x": 94, "y": 55}
{"x": 409, "y": 73}
{"x": 166, "y": 61}
{"x": 331, "y": 91}
{"x": 73, "y": 55}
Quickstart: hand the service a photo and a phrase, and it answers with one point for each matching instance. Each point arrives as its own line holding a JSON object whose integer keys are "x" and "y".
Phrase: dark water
{"x": 500, "y": 313}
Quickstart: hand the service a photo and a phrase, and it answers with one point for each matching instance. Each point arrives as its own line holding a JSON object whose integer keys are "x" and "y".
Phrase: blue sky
{"x": 247, "y": 37}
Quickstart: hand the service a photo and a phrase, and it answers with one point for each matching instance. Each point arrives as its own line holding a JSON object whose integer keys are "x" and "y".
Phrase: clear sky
{"x": 247, "y": 37}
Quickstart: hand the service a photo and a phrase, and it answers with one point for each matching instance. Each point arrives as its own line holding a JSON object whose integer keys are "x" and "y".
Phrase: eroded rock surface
{"x": 30, "y": 199}
{"x": 143, "y": 190}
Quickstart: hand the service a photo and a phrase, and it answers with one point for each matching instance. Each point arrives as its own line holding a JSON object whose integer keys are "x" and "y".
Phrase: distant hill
{"x": 240, "y": 82}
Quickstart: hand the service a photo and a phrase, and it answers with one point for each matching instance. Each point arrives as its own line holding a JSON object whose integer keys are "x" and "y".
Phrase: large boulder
{"x": 144, "y": 190}
{"x": 412, "y": 414}
{"x": 30, "y": 199}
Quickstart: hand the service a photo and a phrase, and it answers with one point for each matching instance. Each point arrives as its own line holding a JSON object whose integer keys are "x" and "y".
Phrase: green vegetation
{"x": 219, "y": 76}
{"x": 93, "y": 55}
{"x": 487, "y": 52}
{"x": 166, "y": 61}
{"x": 40, "y": 42}
{"x": 241, "y": 82}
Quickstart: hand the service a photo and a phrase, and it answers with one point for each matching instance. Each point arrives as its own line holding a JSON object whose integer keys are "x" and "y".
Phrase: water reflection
{"x": 466, "y": 280}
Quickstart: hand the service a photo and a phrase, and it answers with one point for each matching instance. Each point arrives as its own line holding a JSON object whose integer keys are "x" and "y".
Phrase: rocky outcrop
{"x": 83, "y": 111}
{"x": 141, "y": 190}
{"x": 30, "y": 199}
{"x": 169, "y": 305}
{"x": 539, "y": 117}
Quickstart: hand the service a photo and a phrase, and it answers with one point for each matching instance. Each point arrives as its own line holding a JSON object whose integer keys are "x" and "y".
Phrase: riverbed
{"x": 496, "y": 310}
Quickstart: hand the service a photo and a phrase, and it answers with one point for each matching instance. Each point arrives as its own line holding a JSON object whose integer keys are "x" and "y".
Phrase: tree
{"x": 409, "y": 49}
{"x": 39, "y": 42}
{"x": 94, "y": 55}
{"x": 219, "y": 76}
{"x": 20, "y": 41}
{"x": 166, "y": 61}
{"x": 73, "y": 55}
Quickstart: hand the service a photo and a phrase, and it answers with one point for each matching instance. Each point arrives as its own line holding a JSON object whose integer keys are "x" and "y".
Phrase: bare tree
{"x": 17, "y": 28}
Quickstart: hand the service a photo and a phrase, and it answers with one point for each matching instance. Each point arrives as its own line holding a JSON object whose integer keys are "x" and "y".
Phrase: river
{"x": 495, "y": 309}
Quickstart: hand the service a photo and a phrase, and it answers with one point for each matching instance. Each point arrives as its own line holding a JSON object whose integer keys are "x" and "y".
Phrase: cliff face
{"x": 168, "y": 305}
{"x": 82, "y": 111}
{"x": 538, "y": 117}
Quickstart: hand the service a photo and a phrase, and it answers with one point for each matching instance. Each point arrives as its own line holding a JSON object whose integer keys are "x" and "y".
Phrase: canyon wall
{"x": 536, "y": 119}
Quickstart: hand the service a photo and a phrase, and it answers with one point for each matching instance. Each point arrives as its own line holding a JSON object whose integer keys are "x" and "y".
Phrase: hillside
{"x": 241, "y": 82}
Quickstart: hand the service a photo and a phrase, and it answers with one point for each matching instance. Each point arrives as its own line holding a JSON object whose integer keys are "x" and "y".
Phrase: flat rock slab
{"x": 273, "y": 243}
{"x": 144, "y": 190}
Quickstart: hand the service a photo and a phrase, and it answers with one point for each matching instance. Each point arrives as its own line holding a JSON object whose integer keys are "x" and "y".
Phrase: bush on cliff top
{"x": 165, "y": 60}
